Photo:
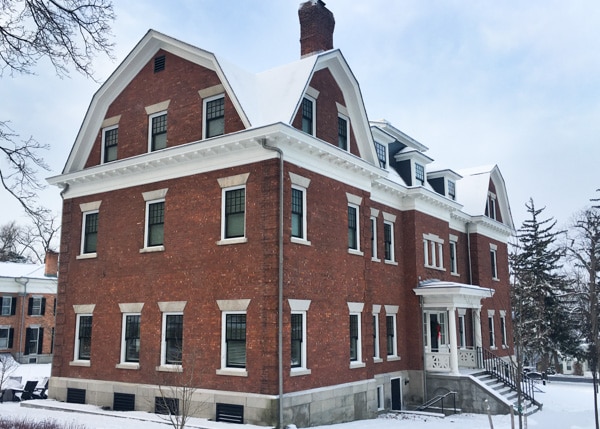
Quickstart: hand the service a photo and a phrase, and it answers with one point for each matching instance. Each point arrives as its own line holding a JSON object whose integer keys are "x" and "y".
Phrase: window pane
{"x": 6, "y": 305}
{"x": 235, "y": 205}
{"x": 352, "y": 237}
{"x": 307, "y": 116}
{"x": 381, "y": 154}
{"x": 235, "y": 338}
{"x": 159, "y": 132}
{"x": 132, "y": 338}
{"x": 389, "y": 320}
{"x": 215, "y": 117}
{"x": 91, "y": 233}
{"x": 111, "y": 138}
{"x": 387, "y": 233}
{"x": 173, "y": 339}
{"x": 420, "y": 173}
{"x": 85, "y": 337}
{"x": 342, "y": 133}
{"x": 156, "y": 219}
{"x": 353, "y": 337}
{"x": 297, "y": 213}
{"x": 296, "y": 334}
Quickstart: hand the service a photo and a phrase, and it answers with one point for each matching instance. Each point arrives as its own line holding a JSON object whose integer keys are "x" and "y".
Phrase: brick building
{"x": 27, "y": 303}
{"x": 258, "y": 233}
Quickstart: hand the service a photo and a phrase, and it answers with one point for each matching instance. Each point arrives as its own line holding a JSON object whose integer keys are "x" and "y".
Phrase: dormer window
{"x": 342, "y": 133}
{"x": 451, "y": 190}
{"x": 490, "y": 207}
{"x": 420, "y": 173}
{"x": 214, "y": 109}
{"x": 381, "y": 154}
{"x": 308, "y": 110}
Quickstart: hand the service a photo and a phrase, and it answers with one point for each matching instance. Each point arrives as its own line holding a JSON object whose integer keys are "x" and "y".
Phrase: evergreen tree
{"x": 540, "y": 294}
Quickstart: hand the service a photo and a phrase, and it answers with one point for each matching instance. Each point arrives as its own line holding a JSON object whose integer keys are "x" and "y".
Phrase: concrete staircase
{"x": 506, "y": 392}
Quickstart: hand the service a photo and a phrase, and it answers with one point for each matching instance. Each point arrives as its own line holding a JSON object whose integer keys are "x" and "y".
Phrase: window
{"x": 420, "y": 173}
{"x": 453, "y": 260}
{"x": 172, "y": 339}
{"x": 491, "y": 328}
{"x": 89, "y": 233}
{"x": 493, "y": 261}
{"x": 381, "y": 154}
{"x": 388, "y": 240}
{"x": 462, "y": 340}
{"x": 353, "y": 227}
{"x": 503, "y": 328}
{"x": 342, "y": 133}
{"x": 8, "y": 306}
{"x": 355, "y": 309}
{"x": 376, "y": 355}
{"x": 433, "y": 251}
{"x": 130, "y": 347}
{"x": 34, "y": 336}
{"x": 297, "y": 338}
{"x": 155, "y": 223}
{"x": 374, "y": 215}
{"x": 6, "y": 337}
{"x": 83, "y": 341}
{"x": 159, "y": 63}
{"x": 235, "y": 340}
{"x": 158, "y": 131}
{"x": 308, "y": 110}
{"x": 390, "y": 323}
{"x": 298, "y": 219}
{"x": 37, "y": 306}
{"x": 451, "y": 189}
{"x": 490, "y": 207}
{"x": 380, "y": 398}
{"x": 214, "y": 109}
{"x": 110, "y": 138}
{"x": 235, "y": 213}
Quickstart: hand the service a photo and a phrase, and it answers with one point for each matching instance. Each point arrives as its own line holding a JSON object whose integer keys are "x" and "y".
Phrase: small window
{"x": 172, "y": 344}
{"x": 390, "y": 322}
{"x": 308, "y": 124}
{"x": 388, "y": 239}
{"x": 214, "y": 116}
{"x": 37, "y": 306}
{"x": 155, "y": 223}
{"x": 235, "y": 213}
{"x": 433, "y": 251}
{"x": 376, "y": 336}
{"x": 110, "y": 139}
{"x": 381, "y": 154}
{"x": 354, "y": 337}
{"x": 34, "y": 340}
{"x": 451, "y": 190}
{"x": 462, "y": 339}
{"x": 298, "y": 213}
{"x": 6, "y": 337}
{"x": 353, "y": 227}
{"x": 90, "y": 233}
{"x": 380, "y": 398}
{"x": 374, "y": 238}
{"x": 342, "y": 133}
{"x": 8, "y": 306}
{"x": 131, "y": 338}
{"x": 453, "y": 260}
{"x": 492, "y": 331}
{"x": 503, "y": 329}
{"x": 83, "y": 342}
{"x": 158, "y": 131}
{"x": 297, "y": 337}
{"x": 420, "y": 173}
{"x": 159, "y": 63}
{"x": 490, "y": 207}
{"x": 493, "y": 264}
{"x": 235, "y": 340}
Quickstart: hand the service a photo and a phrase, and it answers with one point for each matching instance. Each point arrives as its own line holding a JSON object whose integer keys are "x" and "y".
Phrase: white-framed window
{"x": 419, "y": 174}
{"x": 157, "y": 131}
{"x": 37, "y": 306}
{"x": 34, "y": 336}
{"x": 233, "y": 209}
{"x": 299, "y": 216}
{"x": 391, "y": 331}
{"x": 110, "y": 141}
{"x": 154, "y": 229}
{"x": 355, "y": 309}
{"x": 462, "y": 339}
{"x": 388, "y": 238}
{"x": 89, "y": 233}
{"x": 343, "y": 132}
{"x": 451, "y": 189}
{"x": 504, "y": 339}
{"x": 6, "y": 337}
{"x": 354, "y": 224}
{"x": 492, "y": 329}
{"x": 433, "y": 251}
{"x": 171, "y": 351}
{"x": 376, "y": 351}
{"x": 491, "y": 206}
{"x": 298, "y": 336}
{"x": 309, "y": 117}
{"x": 453, "y": 254}
{"x": 83, "y": 337}
{"x": 214, "y": 116}
{"x": 380, "y": 398}
{"x": 7, "y": 305}
{"x": 373, "y": 220}
{"x": 130, "y": 338}
{"x": 381, "y": 151}
{"x": 233, "y": 337}
{"x": 494, "y": 261}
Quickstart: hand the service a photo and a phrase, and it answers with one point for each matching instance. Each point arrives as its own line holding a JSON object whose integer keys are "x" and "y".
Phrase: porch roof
{"x": 437, "y": 293}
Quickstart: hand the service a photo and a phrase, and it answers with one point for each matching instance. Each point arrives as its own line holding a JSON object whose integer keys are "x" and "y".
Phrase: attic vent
{"x": 159, "y": 64}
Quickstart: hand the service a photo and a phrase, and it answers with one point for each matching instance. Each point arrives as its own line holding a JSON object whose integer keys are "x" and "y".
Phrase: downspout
{"x": 469, "y": 253}
{"x": 23, "y": 282}
{"x": 264, "y": 144}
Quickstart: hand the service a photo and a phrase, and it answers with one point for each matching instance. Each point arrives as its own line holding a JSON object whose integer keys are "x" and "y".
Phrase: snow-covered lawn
{"x": 566, "y": 406}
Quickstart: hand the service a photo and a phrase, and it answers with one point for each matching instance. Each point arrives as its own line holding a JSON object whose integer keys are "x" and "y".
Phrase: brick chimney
{"x": 51, "y": 264}
{"x": 316, "y": 28}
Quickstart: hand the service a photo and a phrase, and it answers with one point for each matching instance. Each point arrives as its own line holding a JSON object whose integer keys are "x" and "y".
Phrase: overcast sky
{"x": 511, "y": 83}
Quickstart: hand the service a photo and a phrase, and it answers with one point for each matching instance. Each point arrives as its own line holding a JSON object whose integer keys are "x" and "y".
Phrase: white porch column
{"x": 453, "y": 341}
{"x": 477, "y": 327}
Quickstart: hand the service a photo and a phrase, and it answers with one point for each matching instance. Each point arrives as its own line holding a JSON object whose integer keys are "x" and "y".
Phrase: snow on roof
{"x": 16, "y": 270}
{"x": 472, "y": 189}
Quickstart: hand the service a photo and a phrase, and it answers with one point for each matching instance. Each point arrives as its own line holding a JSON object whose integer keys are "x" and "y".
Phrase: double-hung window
{"x": 214, "y": 116}
{"x": 451, "y": 189}
{"x": 453, "y": 255}
{"x": 34, "y": 336}
{"x": 374, "y": 215}
{"x": 492, "y": 330}
{"x": 235, "y": 212}
{"x": 376, "y": 352}
{"x": 433, "y": 252}
{"x": 381, "y": 154}
{"x": 83, "y": 339}
{"x": 158, "y": 131}
{"x": 343, "y": 133}
{"x": 298, "y": 334}
{"x": 131, "y": 338}
{"x": 110, "y": 140}
{"x": 89, "y": 233}
{"x": 8, "y": 306}
{"x": 308, "y": 112}
{"x": 388, "y": 237}
{"x": 494, "y": 261}
{"x": 490, "y": 207}
{"x": 299, "y": 216}
{"x": 235, "y": 340}
{"x": 354, "y": 223}
{"x": 391, "y": 331}
{"x": 172, "y": 341}
{"x": 420, "y": 173}
{"x": 37, "y": 306}
{"x": 503, "y": 328}
{"x": 355, "y": 309}
{"x": 6, "y": 337}
{"x": 155, "y": 223}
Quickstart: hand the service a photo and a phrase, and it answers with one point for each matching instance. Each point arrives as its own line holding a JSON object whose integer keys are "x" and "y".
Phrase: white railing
{"x": 467, "y": 358}
{"x": 438, "y": 361}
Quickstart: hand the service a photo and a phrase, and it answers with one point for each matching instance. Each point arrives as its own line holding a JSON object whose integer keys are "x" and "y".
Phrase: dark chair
{"x": 28, "y": 390}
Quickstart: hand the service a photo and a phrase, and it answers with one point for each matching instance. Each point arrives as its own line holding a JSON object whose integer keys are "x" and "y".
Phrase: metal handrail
{"x": 437, "y": 399}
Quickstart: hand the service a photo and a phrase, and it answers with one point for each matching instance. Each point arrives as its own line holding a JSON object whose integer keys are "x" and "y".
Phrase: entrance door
{"x": 396, "y": 394}
{"x": 436, "y": 331}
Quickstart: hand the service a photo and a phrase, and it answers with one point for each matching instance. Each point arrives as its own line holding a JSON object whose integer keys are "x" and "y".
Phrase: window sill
{"x": 226, "y": 241}
{"x": 127, "y": 365}
{"x": 152, "y": 249}
{"x": 375, "y": 260}
{"x": 454, "y": 274}
{"x": 389, "y": 262}
{"x": 300, "y": 241}
{"x": 169, "y": 368}
{"x": 80, "y": 363}
{"x": 435, "y": 268}
{"x": 493, "y": 348}
{"x": 377, "y": 360}
{"x": 393, "y": 358}
{"x": 357, "y": 365}
{"x": 233, "y": 371}
{"x": 87, "y": 256}
{"x": 355, "y": 252}
{"x": 496, "y": 279}
{"x": 296, "y": 372}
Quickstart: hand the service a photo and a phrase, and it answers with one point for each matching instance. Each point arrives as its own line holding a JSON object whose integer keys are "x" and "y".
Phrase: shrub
{"x": 24, "y": 423}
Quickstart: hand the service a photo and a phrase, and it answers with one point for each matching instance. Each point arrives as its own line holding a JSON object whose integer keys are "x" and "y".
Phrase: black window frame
{"x": 34, "y": 340}
{"x": 173, "y": 338}
{"x": 354, "y": 337}
{"x": 420, "y": 173}
{"x": 234, "y": 210}
{"x": 155, "y": 223}
{"x": 390, "y": 334}
{"x": 131, "y": 341}
{"x": 84, "y": 336}
{"x": 353, "y": 227}
{"x": 388, "y": 240}
{"x": 32, "y": 308}
{"x": 235, "y": 340}
{"x": 297, "y": 338}
{"x": 452, "y": 189}
{"x": 90, "y": 232}
{"x": 381, "y": 151}
{"x": 298, "y": 213}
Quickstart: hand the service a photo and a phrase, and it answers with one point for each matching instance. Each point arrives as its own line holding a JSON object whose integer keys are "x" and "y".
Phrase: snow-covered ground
{"x": 566, "y": 406}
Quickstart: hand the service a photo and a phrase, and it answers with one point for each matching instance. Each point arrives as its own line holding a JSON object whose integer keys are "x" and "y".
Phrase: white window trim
{"x": 494, "y": 253}
{"x": 205, "y": 101}
{"x": 377, "y": 358}
{"x": 492, "y": 325}
{"x": 347, "y": 119}
{"x": 390, "y": 219}
{"x": 380, "y": 397}
{"x": 150, "y": 117}
{"x": 374, "y": 244}
{"x": 6, "y": 298}
{"x": 462, "y": 340}
{"x": 7, "y": 328}
{"x": 314, "y": 111}
{"x": 134, "y": 309}
{"x": 453, "y": 243}
{"x": 232, "y": 306}
{"x": 392, "y": 310}
{"x": 434, "y": 246}
{"x": 492, "y": 213}
{"x": 356, "y": 308}
{"x": 233, "y": 240}
{"x": 301, "y": 306}
{"x": 304, "y": 240}
{"x": 146, "y": 248}
{"x": 83, "y": 255}
{"x": 81, "y": 311}
{"x": 355, "y": 201}
{"x": 104, "y": 131}
{"x": 503, "y": 328}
